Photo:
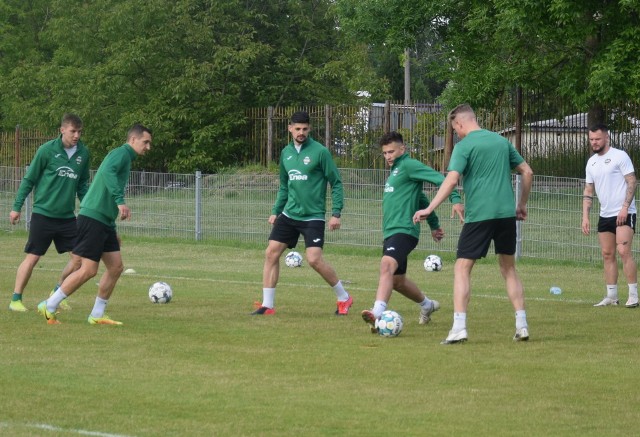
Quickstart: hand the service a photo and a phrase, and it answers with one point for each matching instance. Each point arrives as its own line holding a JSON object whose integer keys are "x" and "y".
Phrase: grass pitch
{"x": 201, "y": 366}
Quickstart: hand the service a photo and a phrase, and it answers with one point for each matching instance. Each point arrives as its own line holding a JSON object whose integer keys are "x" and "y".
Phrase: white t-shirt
{"x": 607, "y": 173}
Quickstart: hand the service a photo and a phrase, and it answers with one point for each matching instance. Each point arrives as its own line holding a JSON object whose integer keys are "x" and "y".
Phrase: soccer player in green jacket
{"x": 403, "y": 193}
{"x": 57, "y": 174}
{"x": 97, "y": 238}
{"x": 306, "y": 167}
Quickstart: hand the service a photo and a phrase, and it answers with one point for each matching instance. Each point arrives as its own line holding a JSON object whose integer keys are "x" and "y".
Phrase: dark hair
{"x": 71, "y": 119}
{"x": 300, "y": 117}
{"x": 391, "y": 137}
{"x": 599, "y": 126}
{"x": 137, "y": 130}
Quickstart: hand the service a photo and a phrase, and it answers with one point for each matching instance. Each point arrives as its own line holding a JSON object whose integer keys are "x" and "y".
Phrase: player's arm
{"x": 283, "y": 194}
{"x": 448, "y": 185}
{"x": 587, "y": 203}
{"x": 332, "y": 175}
{"x": 83, "y": 180}
{"x": 437, "y": 233}
{"x": 527, "y": 181}
{"x": 630, "y": 179}
{"x": 31, "y": 178}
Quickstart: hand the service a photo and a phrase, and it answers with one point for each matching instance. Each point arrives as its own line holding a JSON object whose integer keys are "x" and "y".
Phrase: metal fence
{"x": 235, "y": 207}
{"x": 552, "y": 135}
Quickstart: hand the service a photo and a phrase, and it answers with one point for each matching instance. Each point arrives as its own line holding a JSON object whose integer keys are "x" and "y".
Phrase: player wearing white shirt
{"x": 611, "y": 174}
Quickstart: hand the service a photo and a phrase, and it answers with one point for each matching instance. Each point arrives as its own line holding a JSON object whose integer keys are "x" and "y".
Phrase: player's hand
{"x": 585, "y": 226}
{"x": 125, "y": 212}
{"x": 622, "y": 217}
{"x": 437, "y": 235}
{"x": 14, "y": 217}
{"x": 334, "y": 223}
{"x": 458, "y": 209}
{"x": 272, "y": 219}
{"x": 521, "y": 212}
{"x": 421, "y": 215}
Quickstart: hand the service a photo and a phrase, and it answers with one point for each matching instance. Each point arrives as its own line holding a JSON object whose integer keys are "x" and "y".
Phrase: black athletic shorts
{"x": 398, "y": 247}
{"x": 608, "y": 224}
{"x": 286, "y": 230}
{"x": 94, "y": 239}
{"x": 43, "y": 230}
{"x": 476, "y": 237}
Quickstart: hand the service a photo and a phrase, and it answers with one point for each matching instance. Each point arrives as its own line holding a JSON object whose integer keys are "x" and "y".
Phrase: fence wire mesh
{"x": 236, "y": 207}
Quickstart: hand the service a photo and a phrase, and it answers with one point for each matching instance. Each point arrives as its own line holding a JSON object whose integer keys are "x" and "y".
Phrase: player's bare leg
{"x": 317, "y": 263}
{"x": 114, "y": 268}
{"x": 607, "y": 242}
{"x": 624, "y": 243}
{"x": 23, "y": 274}
{"x": 270, "y": 276}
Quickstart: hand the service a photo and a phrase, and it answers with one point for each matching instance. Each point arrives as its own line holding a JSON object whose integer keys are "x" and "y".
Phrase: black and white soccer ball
{"x": 433, "y": 263}
{"x": 160, "y": 292}
{"x": 293, "y": 259}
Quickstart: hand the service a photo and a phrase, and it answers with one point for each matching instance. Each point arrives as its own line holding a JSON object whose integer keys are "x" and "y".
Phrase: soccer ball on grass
{"x": 293, "y": 259}
{"x": 433, "y": 263}
{"x": 389, "y": 324}
{"x": 160, "y": 292}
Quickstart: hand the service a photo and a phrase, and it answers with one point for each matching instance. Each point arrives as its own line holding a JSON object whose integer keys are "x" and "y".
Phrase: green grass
{"x": 200, "y": 366}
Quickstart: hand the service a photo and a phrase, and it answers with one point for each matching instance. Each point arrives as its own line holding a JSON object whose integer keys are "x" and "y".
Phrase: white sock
{"x": 55, "y": 299}
{"x": 379, "y": 307}
{"x": 612, "y": 292}
{"x": 268, "y": 297}
{"x": 426, "y": 303}
{"x": 98, "y": 307}
{"x": 633, "y": 290}
{"x": 341, "y": 293}
{"x": 459, "y": 322}
{"x": 521, "y": 319}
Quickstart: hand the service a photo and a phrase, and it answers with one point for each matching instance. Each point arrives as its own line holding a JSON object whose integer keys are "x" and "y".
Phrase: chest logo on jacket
{"x": 66, "y": 172}
{"x": 296, "y": 175}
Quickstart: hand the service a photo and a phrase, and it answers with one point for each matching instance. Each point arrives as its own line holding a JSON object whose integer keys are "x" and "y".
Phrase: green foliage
{"x": 188, "y": 69}
{"x": 583, "y": 50}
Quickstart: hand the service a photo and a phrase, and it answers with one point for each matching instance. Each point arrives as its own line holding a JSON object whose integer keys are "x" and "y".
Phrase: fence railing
{"x": 553, "y": 138}
{"x": 203, "y": 207}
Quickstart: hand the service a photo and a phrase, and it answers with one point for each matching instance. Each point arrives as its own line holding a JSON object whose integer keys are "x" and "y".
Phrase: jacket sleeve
{"x": 432, "y": 220}
{"x": 31, "y": 179}
{"x": 83, "y": 181}
{"x": 332, "y": 175}
{"x": 427, "y": 174}
{"x": 114, "y": 165}
{"x": 283, "y": 191}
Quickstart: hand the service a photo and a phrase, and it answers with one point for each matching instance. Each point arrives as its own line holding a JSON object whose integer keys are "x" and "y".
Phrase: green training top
{"x": 404, "y": 195}
{"x": 303, "y": 182}
{"x": 485, "y": 159}
{"x": 55, "y": 179}
{"x": 107, "y": 189}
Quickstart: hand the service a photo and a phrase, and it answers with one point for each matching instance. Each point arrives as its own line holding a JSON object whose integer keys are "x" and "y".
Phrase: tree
{"x": 585, "y": 50}
{"x": 186, "y": 68}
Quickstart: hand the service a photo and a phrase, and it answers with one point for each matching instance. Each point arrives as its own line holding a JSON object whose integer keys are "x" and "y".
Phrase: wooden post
{"x": 387, "y": 116}
{"x": 16, "y": 157}
{"x": 328, "y": 118}
{"x": 448, "y": 146}
{"x": 269, "y": 135}
{"x": 518, "y": 143}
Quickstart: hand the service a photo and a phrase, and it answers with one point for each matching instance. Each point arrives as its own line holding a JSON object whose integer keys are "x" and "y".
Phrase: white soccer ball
{"x": 293, "y": 259}
{"x": 433, "y": 263}
{"x": 389, "y": 324}
{"x": 160, "y": 292}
